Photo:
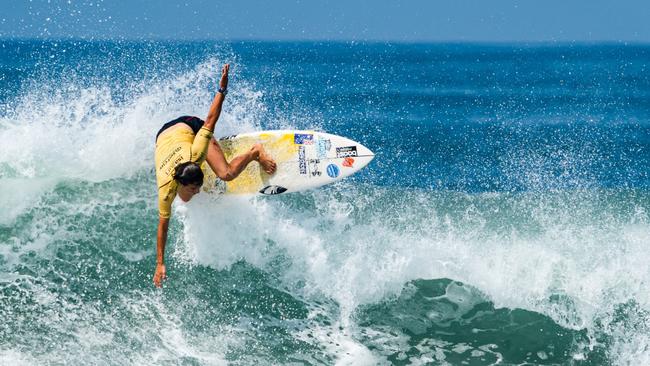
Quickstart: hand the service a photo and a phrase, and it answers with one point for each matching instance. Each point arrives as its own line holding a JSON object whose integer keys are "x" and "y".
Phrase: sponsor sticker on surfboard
{"x": 302, "y": 163}
{"x": 305, "y": 159}
{"x": 303, "y": 139}
{"x": 346, "y": 151}
{"x": 333, "y": 171}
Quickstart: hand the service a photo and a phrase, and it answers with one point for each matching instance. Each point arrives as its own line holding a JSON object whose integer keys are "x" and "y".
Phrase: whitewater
{"x": 504, "y": 220}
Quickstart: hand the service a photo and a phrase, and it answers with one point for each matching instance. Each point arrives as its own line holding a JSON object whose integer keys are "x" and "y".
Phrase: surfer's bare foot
{"x": 267, "y": 163}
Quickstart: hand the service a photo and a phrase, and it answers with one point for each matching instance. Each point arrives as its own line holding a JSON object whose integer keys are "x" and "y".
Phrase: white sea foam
{"x": 342, "y": 244}
{"x": 66, "y": 132}
{"x": 15, "y": 358}
{"x": 594, "y": 261}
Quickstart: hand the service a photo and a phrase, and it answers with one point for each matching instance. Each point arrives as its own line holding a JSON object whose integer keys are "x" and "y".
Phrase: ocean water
{"x": 505, "y": 219}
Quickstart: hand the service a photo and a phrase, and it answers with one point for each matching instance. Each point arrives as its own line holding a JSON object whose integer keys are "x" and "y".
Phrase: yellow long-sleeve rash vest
{"x": 172, "y": 148}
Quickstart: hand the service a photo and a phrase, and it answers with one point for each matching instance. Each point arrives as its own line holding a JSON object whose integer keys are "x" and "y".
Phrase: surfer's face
{"x": 186, "y": 192}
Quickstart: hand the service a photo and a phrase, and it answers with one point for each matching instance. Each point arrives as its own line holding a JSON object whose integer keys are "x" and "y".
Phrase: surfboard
{"x": 305, "y": 160}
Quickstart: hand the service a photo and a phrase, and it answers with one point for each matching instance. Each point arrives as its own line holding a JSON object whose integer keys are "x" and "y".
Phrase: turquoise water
{"x": 503, "y": 221}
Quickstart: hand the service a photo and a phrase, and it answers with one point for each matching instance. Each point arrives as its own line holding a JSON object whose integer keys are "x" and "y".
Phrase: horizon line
{"x": 344, "y": 41}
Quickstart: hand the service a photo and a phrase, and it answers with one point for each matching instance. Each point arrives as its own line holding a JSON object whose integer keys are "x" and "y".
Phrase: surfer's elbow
{"x": 226, "y": 176}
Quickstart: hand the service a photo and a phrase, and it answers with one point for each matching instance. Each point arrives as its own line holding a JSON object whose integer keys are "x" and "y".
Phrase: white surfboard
{"x": 305, "y": 160}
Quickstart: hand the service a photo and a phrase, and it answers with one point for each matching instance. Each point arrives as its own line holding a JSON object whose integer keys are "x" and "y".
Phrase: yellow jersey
{"x": 173, "y": 147}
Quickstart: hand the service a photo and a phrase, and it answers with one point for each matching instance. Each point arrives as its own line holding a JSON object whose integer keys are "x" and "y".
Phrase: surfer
{"x": 181, "y": 146}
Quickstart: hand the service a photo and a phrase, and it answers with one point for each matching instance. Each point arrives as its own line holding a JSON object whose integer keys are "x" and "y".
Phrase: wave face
{"x": 504, "y": 220}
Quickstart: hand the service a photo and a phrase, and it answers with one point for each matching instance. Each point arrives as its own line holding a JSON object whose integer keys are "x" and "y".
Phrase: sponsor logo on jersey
{"x": 346, "y": 151}
{"x": 169, "y": 157}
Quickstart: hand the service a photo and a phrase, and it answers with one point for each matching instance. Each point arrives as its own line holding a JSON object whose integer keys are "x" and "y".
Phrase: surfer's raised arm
{"x": 217, "y": 102}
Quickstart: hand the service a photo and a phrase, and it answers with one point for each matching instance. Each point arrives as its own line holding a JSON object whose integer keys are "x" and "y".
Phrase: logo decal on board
{"x": 346, "y": 151}
{"x": 303, "y": 139}
{"x": 314, "y": 167}
{"x": 271, "y": 190}
{"x": 231, "y": 137}
{"x": 333, "y": 171}
{"x": 348, "y": 162}
{"x": 302, "y": 163}
{"x": 322, "y": 147}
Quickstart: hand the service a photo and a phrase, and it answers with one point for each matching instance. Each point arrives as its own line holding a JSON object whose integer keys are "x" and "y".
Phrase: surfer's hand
{"x": 160, "y": 275}
{"x": 223, "y": 83}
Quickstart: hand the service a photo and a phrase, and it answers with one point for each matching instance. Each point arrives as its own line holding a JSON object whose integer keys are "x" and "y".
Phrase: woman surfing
{"x": 182, "y": 145}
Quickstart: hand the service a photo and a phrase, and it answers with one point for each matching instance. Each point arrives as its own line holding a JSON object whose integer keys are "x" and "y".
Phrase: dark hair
{"x": 188, "y": 173}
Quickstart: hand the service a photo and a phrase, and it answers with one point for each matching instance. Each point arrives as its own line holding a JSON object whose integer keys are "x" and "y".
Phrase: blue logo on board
{"x": 303, "y": 139}
{"x": 333, "y": 170}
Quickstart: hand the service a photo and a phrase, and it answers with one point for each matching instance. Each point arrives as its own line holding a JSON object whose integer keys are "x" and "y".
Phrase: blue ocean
{"x": 504, "y": 220}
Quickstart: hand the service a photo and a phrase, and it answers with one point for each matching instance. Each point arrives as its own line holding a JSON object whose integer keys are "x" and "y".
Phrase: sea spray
{"x": 505, "y": 218}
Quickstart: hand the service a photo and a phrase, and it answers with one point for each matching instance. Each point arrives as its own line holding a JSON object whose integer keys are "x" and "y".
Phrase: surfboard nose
{"x": 363, "y": 150}
{"x": 364, "y": 156}
{"x": 350, "y": 155}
